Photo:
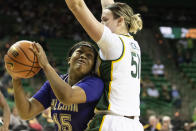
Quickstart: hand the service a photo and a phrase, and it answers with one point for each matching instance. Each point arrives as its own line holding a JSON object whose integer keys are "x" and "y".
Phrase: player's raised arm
{"x": 104, "y": 3}
{"x": 91, "y": 25}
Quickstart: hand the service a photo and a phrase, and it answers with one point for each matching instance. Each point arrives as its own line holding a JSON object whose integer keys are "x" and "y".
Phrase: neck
{"x": 124, "y": 31}
{"x": 73, "y": 78}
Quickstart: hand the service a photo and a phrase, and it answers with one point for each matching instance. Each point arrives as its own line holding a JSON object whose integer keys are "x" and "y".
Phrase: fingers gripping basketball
{"x": 21, "y": 61}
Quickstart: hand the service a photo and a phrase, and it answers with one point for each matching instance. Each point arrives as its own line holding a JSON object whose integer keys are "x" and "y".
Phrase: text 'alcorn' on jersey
{"x": 76, "y": 116}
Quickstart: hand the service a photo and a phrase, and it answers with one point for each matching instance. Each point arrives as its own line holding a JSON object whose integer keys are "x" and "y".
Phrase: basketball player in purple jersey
{"x": 72, "y": 97}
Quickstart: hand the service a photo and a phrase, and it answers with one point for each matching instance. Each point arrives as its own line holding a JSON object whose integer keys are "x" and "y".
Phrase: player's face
{"x": 82, "y": 60}
{"x": 108, "y": 20}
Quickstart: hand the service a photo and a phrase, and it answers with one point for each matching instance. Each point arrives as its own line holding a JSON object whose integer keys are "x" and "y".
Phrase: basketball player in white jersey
{"x": 119, "y": 107}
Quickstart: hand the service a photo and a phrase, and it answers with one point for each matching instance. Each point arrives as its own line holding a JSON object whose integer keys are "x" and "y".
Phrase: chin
{"x": 81, "y": 72}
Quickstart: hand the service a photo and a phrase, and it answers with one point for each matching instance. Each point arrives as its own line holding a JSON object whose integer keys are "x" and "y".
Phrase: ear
{"x": 68, "y": 60}
{"x": 120, "y": 20}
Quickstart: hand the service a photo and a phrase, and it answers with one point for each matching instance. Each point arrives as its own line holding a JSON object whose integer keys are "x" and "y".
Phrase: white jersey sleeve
{"x": 110, "y": 45}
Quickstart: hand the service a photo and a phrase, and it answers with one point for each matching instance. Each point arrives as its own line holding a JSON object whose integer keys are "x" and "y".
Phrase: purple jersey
{"x": 76, "y": 116}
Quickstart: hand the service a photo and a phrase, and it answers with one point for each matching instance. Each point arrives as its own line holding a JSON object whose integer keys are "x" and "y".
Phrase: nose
{"x": 83, "y": 56}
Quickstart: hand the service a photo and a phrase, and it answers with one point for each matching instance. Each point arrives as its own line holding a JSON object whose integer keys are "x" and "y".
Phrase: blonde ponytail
{"x": 133, "y": 21}
{"x": 136, "y": 23}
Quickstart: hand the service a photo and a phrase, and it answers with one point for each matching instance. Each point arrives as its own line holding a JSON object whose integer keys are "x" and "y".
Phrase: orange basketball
{"x": 21, "y": 61}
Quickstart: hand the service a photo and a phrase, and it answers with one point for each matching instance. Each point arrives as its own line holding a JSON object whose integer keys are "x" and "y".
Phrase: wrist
{"x": 16, "y": 80}
{"x": 17, "y": 84}
{"x": 46, "y": 67}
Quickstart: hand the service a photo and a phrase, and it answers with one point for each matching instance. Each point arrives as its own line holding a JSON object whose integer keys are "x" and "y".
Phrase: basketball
{"x": 21, "y": 61}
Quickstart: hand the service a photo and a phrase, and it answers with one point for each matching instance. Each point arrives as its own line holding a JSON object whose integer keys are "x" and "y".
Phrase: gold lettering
{"x": 56, "y": 105}
{"x": 68, "y": 107}
{"x": 59, "y": 105}
{"x": 75, "y": 107}
{"x": 63, "y": 107}
{"x": 52, "y": 104}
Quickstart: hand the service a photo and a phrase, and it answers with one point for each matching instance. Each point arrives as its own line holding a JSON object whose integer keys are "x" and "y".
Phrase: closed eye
{"x": 89, "y": 56}
{"x": 79, "y": 52}
{"x": 103, "y": 19}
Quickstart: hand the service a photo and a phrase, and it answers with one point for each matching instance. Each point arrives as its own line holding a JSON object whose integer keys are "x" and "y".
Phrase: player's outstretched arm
{"x": 90, "y": 24}
{"x": 6, "y": 113}
{"x": 105, "y": 3}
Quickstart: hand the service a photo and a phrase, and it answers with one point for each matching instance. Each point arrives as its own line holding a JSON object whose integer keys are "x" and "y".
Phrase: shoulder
{"x": 91, "y": 84}
{"x": 92, "y": 81}
{"x": 92, "y": 78}
{"x": 108, "y": 36}
{"x": 128, "y": 38}
{"x": 45, "y": 86}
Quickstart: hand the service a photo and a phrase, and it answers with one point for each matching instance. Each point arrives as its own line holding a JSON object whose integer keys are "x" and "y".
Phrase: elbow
{"x": 24, "y": 117}
{"x": 67, "y": 103}
{"x": 65, "y": 97}
{"x": 65, "y": 100}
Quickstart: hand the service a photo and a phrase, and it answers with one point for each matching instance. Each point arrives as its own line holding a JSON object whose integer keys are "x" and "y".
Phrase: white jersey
{"x": 121, "y": 76}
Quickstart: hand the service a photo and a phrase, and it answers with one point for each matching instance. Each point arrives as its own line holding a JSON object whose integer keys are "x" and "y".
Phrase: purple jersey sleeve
{"x": 93, "y": 87}
{"x": 43, "y": 95}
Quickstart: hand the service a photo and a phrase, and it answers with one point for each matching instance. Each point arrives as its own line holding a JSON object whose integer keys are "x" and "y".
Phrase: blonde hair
{"x": 133, "y": 21}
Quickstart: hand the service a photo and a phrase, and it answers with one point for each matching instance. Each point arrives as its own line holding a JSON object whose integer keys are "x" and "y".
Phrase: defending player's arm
{"x": 6, "y": 112}
{"x": 91, "y": 25}
{"x": 26, "y": 108}
{"x": 105, "y": 3}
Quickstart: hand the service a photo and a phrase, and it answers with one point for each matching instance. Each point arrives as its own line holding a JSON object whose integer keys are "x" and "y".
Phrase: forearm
{"x": 72, "y": 4}
{"x": 61, "y": 89}
{"x": 105, "y": 3}
{"x": 21, "y": 101}
{"x": 6, "y": 115}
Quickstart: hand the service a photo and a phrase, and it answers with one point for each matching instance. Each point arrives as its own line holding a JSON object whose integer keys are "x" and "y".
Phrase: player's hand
{"x": 9, "y": 72}
{"x": 41, "y": 55}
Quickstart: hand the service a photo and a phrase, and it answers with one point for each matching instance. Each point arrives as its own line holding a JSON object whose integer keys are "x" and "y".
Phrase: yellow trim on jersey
{"x": 98, "y": 72}
{"x": 123, "y": 51}
{"x": 111, "y": 76}
{"x": 102, "y": 122}
{"x": 109, "y": 92}
{"x": 99, "y": 62}
{"x": 129, "y": 36}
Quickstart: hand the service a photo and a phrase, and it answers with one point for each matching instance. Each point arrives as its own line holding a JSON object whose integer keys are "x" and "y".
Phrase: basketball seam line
{"x": 26, "y": 54}
{"x": 21, "y": 63}
{"x": 32, "y": 64}
{"x": 21, "y": 71}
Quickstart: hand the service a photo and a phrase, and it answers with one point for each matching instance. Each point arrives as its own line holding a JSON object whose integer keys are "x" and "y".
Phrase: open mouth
{"x": 81, "y": 61}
